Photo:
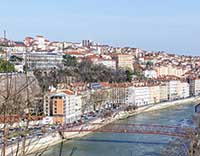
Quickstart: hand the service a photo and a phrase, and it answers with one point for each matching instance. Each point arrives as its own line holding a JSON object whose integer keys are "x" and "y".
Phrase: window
{"x": 55, "y": 110}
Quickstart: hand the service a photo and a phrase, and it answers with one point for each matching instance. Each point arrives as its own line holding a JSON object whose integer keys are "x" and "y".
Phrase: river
{"x": 115, "y": 144}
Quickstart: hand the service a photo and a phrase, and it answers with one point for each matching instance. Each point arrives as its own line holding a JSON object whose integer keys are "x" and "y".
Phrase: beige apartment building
{"x": 163, "y": 92}
{"x": 183, "y": 89}
{"x": 123, "y": 61}
{"x": 163, "y": 70}
{"x": 154, "y": 93}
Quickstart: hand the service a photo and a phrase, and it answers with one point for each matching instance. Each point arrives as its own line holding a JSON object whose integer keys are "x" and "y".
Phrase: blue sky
{"x": 169, "y": 25}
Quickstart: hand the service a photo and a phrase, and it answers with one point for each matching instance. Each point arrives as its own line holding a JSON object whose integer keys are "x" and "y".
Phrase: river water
{"x": 115, "y": 144}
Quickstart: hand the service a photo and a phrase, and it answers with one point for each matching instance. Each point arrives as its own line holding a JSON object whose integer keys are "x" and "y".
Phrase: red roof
{"x": 91, "y": 57}
{"x": 74, "y": 53}
{"x": 68, "y": 92}
{"x": 105, "y": 84}
{"x": 40, "y": 36}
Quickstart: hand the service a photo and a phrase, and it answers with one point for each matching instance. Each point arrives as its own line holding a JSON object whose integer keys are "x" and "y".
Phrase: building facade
{"x": 194, "y": 86}
{"x": 142, "y": 96}
{"x": 42, "y": 60}
{"x": 184, "y": 89}
{"x": 63, "y": 107}
{"x": 164, "y": 92}
{"x": 154, "y": 94}
{"x": 123, "y": 61}
{"x": 173, "y": 92}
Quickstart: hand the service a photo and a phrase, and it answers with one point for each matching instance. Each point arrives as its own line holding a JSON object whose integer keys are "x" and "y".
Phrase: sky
{"x": 160, "y": 25}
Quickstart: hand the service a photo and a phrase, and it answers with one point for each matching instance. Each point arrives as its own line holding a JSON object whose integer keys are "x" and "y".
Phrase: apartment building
{"x": 161, "y": 70}
{"x": 119, "y": 94}
{"x": 168, "y": 69}
{"x": 194, "y": 86}
{"x": 163, "y": 92}
{"x": 142, "y": 96}
{"x": 123, "y": 61}
{"x": 131, "y": 95}
{"x": 42, "y": 60}
{"x": 154, "y": 93}
{"x": 173, "y": 86}
{"x": 184, "y": 89}
{"x": 150, "y": 73}
{"x": 62, "y": 107}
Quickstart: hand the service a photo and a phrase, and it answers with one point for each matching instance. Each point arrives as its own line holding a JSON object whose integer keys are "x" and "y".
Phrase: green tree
{"x": 149, "y": 63}
{"x": 69, "y": 60}
{"x": 129, "y": 75}
{"x": 6, "y": 66}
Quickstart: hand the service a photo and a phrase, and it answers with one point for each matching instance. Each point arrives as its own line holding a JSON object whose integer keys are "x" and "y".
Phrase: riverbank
{"x": 53, "y": 139}
{"x": 163, "y": 105}
{"x": 124, "y": 114}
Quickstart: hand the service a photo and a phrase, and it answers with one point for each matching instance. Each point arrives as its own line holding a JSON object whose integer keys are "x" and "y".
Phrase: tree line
{"x": 84, "y": 71}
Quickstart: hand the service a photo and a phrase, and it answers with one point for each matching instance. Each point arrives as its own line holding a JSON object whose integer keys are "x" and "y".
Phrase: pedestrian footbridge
{"x": 175, "y": 131}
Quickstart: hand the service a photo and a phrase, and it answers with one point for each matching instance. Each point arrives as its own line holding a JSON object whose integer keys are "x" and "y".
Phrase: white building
{"x": 173, "y": 89}
{"x": 195, "y": 87}
{"x": 63, "y": 106}
{"x": 18, "y": 47}
{"x": 184, "y": 90}
{"x": 150, "y": 73}
{"x": 42, "y": 60}
{"x": 41, "y": 43}
{"x": 108, "y": 63}
{"x": 131, "y": 95}
{"x": 141, "y": 96}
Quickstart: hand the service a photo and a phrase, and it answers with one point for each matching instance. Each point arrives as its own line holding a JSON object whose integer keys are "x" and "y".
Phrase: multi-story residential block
{"x": 63, "y": 106}
{"x": 131, "y": 95}
{"x": 184, "y": 89}
{"x": 124, "y": 61}
{"x": 119, "y": 94}
{"x": 28, "y": 41}
{"x": 161, "y": 70}
{"x": 18, "y": 47}
{"x": 154, "y": 93}
{"x": 42, "y": 60}
{"x": 163, "y": 92}
{"x": 194, "y": 86}
{"x": 173, "y": 86}
{"x": 150, "y": 73}
{"x": 41, "y": 43}
{"x": 142, "y": 96}
{"x": 169, "y": 69}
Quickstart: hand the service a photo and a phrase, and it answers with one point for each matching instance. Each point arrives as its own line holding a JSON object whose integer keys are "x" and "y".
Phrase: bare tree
{"x": 15, "y": 105}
